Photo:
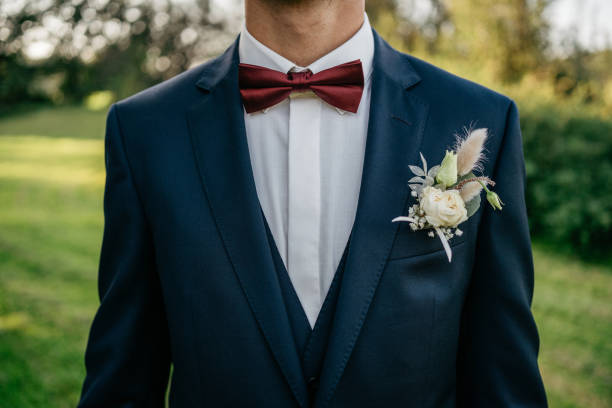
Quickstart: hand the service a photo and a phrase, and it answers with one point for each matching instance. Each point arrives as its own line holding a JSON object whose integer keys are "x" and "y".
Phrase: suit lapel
{"x": 395, "y": 132}
{"x": 216, "y": 125}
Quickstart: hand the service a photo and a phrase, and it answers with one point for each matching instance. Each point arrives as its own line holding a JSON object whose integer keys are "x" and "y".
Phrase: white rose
{"x": 443, "y": 208}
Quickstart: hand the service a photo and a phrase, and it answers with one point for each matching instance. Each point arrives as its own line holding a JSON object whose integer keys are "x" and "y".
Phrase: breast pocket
{"x": 409, "y": 243}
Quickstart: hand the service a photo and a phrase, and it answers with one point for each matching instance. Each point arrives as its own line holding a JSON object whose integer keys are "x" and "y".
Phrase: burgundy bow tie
{"x": 340, "y": 86}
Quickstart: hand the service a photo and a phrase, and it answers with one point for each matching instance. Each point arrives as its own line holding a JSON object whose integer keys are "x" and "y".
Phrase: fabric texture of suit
{"x": 187, "y": 276}
{"x": 311, "y": 343}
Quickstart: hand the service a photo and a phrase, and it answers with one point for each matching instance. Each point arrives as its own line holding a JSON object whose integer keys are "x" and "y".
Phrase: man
{"x": 248, "y": 239}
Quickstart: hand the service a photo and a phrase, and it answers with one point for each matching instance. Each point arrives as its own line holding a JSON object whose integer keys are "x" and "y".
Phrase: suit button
{"x": 313, "y": 384}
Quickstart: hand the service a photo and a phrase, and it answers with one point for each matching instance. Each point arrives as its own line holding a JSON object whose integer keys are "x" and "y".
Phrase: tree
{"x": 96, "y": 44}
{"x": 510, "y": 35}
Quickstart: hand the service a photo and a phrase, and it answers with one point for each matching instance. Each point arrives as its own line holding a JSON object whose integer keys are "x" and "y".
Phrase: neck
{"x": 303, "y": 30}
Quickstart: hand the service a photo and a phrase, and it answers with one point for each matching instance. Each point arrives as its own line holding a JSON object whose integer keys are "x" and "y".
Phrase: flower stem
{"x": 482, "y": 180}
{"x": 484, "y": 186}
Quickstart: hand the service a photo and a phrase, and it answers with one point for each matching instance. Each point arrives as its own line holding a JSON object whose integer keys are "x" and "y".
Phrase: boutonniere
{"x": 449, "y": 193}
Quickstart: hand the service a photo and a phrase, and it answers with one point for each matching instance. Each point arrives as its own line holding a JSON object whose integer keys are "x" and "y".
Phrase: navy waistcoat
{"x": 311, "y": 343}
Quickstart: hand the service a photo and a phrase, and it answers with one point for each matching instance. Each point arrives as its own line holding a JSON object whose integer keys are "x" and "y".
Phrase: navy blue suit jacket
{"x": 187, "y": 280}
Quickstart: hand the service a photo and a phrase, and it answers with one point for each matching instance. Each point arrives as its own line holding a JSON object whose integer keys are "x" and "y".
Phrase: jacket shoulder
{"x": 458, "y": 104}
{"x": 169, "y": 94}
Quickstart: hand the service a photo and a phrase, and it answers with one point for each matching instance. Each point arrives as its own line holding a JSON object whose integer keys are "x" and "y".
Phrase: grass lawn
{"x": 51, "y": 182}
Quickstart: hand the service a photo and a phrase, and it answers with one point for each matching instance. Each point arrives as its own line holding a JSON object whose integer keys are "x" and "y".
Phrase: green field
{"x": 51, "y": 183}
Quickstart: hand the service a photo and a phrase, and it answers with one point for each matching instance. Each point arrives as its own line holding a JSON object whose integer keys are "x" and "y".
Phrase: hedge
{"x": 568, "y": 161}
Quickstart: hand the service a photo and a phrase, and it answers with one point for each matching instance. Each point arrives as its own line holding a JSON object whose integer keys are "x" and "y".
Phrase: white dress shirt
{"x": 307, "y": 159}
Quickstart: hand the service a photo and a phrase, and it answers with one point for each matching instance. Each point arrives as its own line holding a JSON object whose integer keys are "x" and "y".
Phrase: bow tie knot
{"x": 340, "y": 86}
{"x": 300, "y": 79}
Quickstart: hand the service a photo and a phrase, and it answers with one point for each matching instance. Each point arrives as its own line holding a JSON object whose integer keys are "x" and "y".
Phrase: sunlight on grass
{"x": 13, "y": 321}
{"x": 99, "y": 100}
{"x": 66, "y": 162}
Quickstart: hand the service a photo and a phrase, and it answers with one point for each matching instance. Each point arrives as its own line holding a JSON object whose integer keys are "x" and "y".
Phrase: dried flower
{"x": 470, "y": 190}
{"x": 469, "y": 151}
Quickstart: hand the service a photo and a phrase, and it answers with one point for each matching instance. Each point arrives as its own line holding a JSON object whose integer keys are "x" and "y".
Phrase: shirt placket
{"x": 304, "y": 209}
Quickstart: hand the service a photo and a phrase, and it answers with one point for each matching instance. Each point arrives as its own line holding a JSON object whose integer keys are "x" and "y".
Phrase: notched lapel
{"x": 216, "y": 125}
{"x": 395, "y": 131}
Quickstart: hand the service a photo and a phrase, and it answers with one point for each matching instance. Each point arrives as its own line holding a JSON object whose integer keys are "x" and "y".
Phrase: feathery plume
{"x": 469, "y": 151}
{"x": 470, "y": 190}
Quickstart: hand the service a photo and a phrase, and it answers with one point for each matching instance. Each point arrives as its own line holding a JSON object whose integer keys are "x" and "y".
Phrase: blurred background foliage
{"x": 63, "y": 62}
{"x": 70, "y": 51}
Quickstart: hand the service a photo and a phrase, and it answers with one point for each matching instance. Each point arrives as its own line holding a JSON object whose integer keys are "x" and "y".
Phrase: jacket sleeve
{"x": 498, "y": 345}
{"x": 127, "y": 356}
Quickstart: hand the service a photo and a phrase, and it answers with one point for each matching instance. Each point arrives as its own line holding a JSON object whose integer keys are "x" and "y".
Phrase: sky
{"x": 591, "y": 19}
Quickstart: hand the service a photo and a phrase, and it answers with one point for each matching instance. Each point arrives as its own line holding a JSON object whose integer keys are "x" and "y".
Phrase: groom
{"x": 248, "y": 239}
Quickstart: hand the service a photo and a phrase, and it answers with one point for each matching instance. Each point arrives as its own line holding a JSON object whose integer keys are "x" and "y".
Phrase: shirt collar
{"x": 360, "y": 46}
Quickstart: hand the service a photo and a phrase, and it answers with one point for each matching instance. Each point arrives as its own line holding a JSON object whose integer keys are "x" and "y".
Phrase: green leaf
{"x": 472, "y": 205}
